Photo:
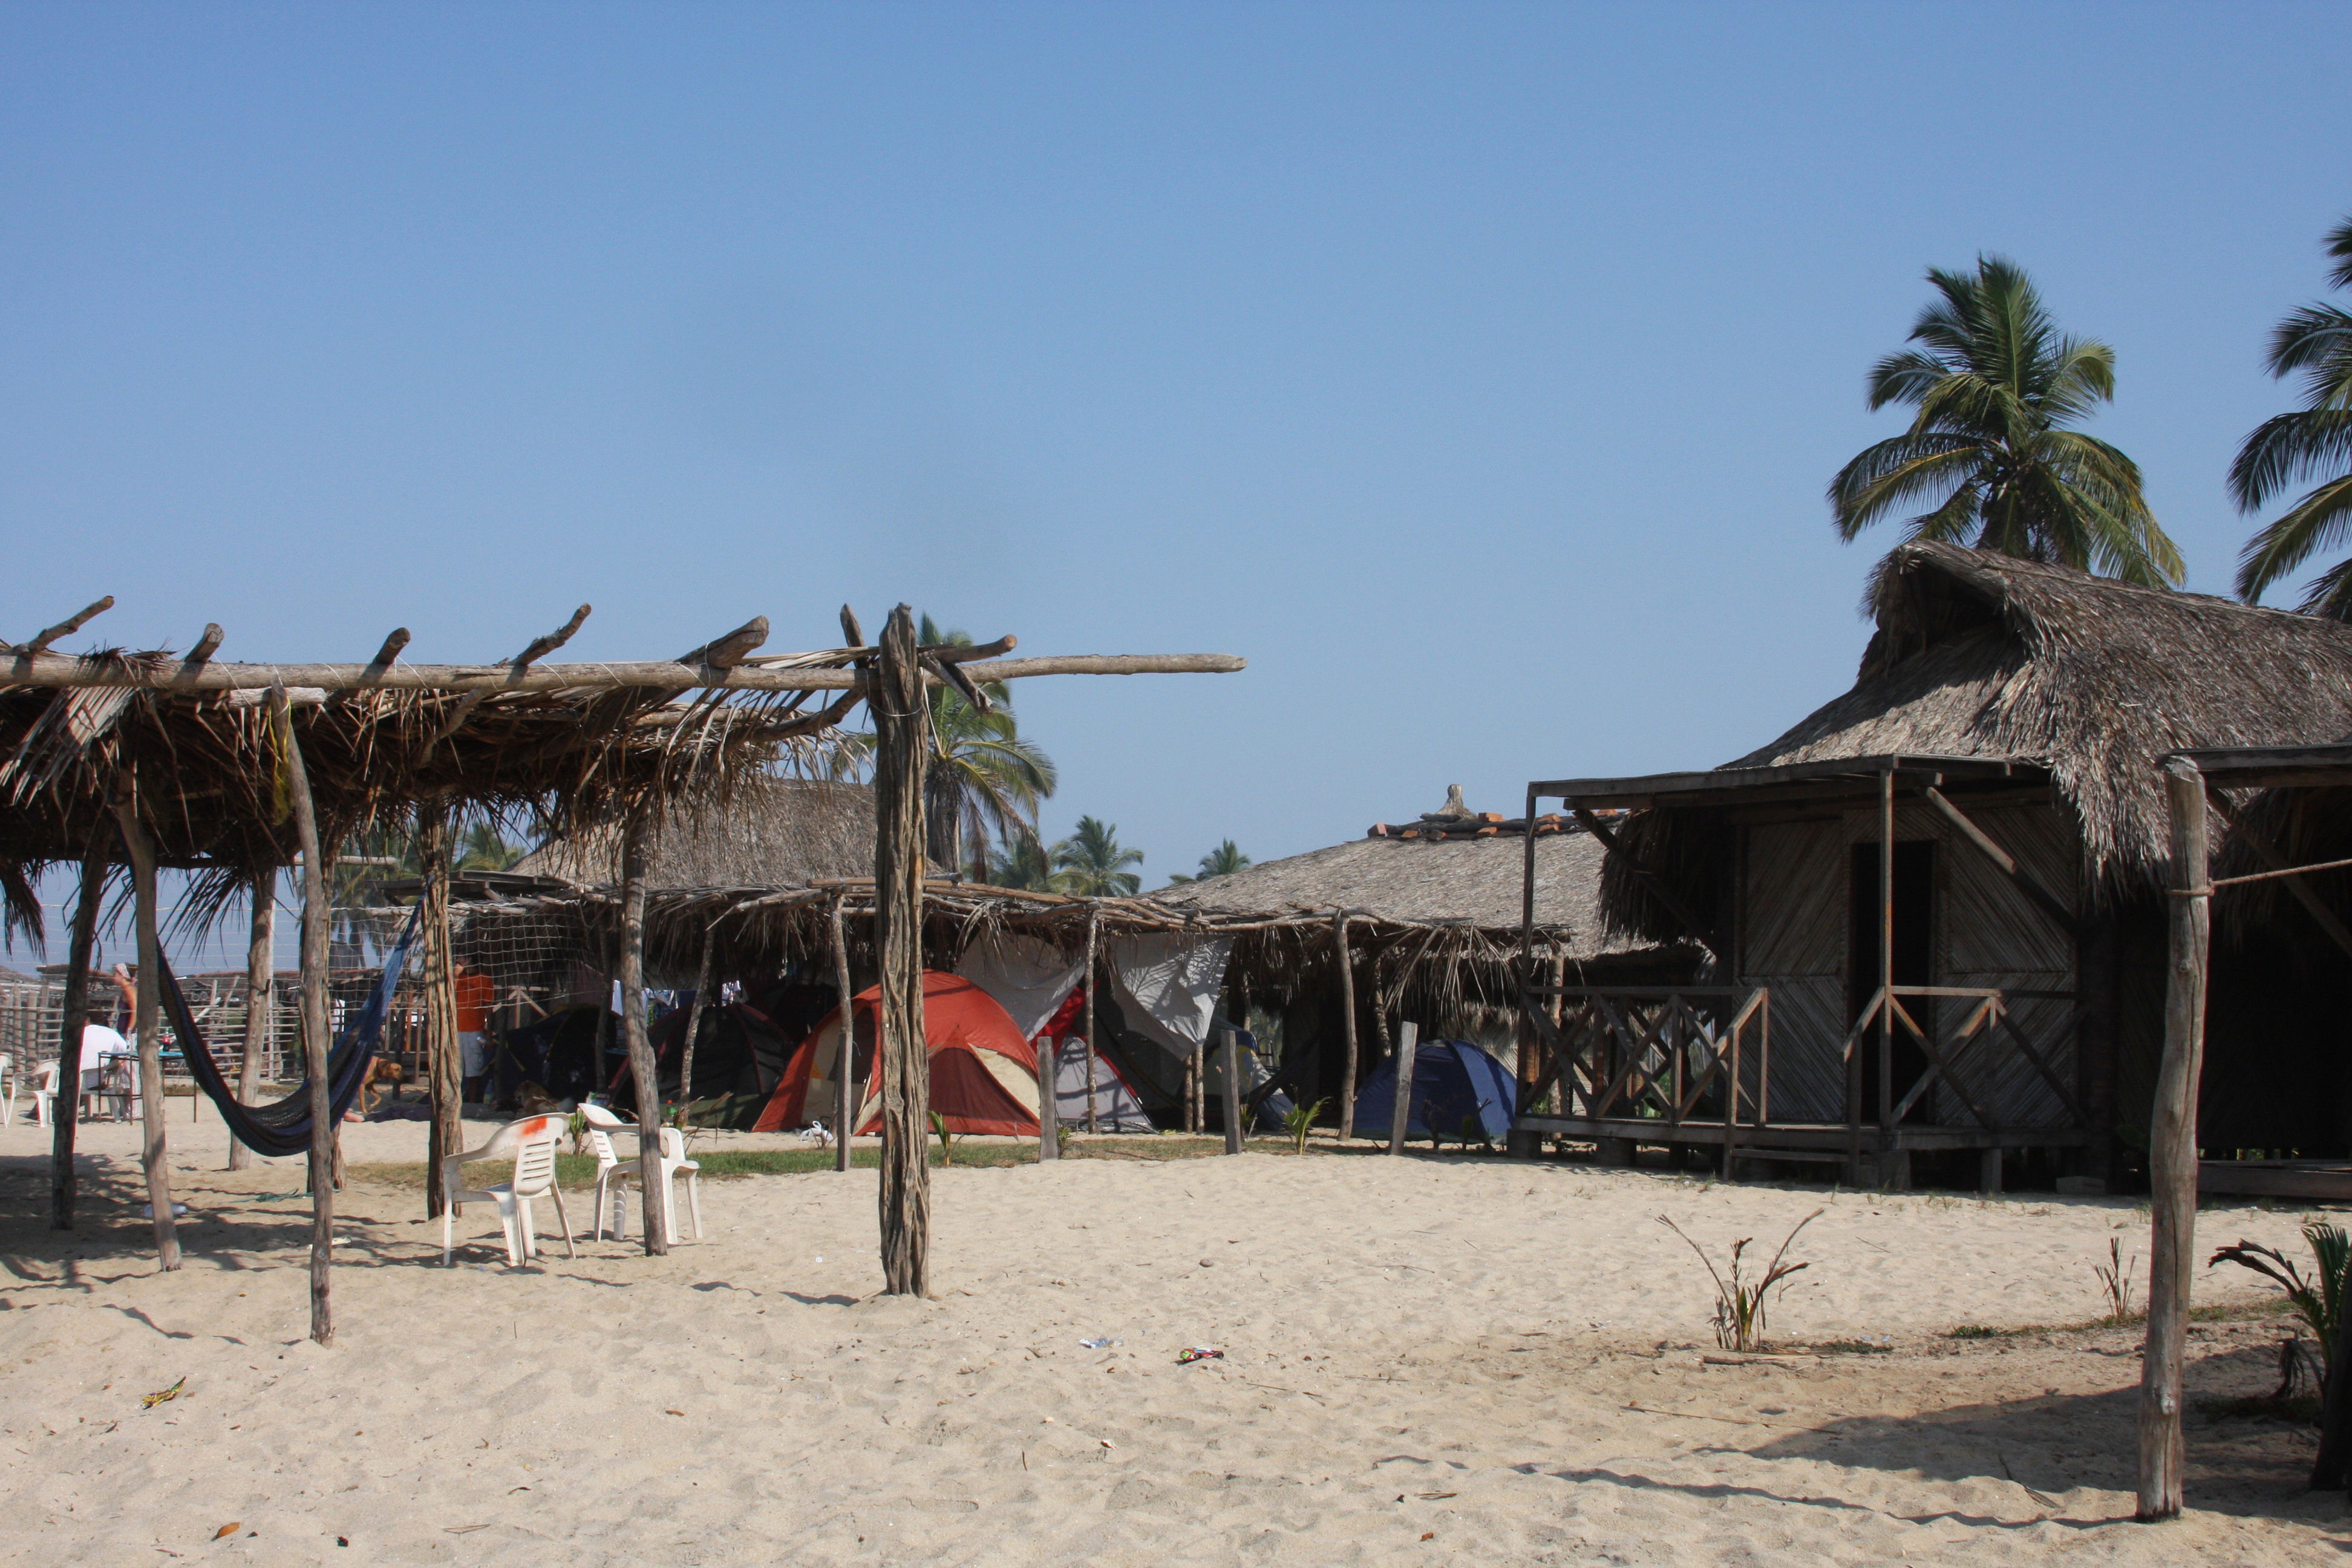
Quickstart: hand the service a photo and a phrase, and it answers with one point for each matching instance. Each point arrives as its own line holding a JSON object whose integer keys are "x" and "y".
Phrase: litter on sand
{"x": 1100, "y": 1342}
{"x": 1192, "y": 1354}
{"x": 147, "y": 1211}
{"x": 162, "y": 1396}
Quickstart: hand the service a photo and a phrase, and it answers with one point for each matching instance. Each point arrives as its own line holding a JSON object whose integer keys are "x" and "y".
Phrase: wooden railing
{"x": 1653, "y": 1053}
{"x": 1982, "y": 1023}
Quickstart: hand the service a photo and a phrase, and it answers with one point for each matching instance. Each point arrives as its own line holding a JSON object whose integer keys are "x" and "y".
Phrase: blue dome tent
{"x": 1453, "y": 1080}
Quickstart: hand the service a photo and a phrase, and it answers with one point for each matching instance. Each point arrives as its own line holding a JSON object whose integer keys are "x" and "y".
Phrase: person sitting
{"x": 476, "y": 994}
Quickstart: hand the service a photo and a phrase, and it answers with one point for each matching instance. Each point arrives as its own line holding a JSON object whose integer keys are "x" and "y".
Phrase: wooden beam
{"x": 1659, "y": 887}
{"x": 67, "y": 627}
{"x": 2268, "y": 854}
{"x": 52, "y": 671}
{"x": 314, "y": 1018}
{"x": 540, "y": 646}
{"x": 1346, "y": 1027}
{"x": 2172, "y": 1152}
{"x": 444, "y": 1069}
{"x": 532, "y": 652}
{"x": 1087, "y": 979}
{"x": 1229, "y": 1046}
{"x": 1400, "y": 1107}
{"x": 694, "y": 1022}
{"x": 643, "y": 1072}
{"x": 726, "y": 651}
{"x": 148, "y": 1020}
{"x": 2048, "y": 902}
{"x": 260, "y": 996}
{"x": 73, "y": 1018}
{"x": 900, "y": 717}
{"x": 845, "y": 1091}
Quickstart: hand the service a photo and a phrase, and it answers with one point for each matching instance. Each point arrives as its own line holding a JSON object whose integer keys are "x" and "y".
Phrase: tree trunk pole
{"x": 642, "y": 1069}
{"x": 260, "y": 989}
{"x": 694, "y": 1022}
{"x": 1401, "y": 1108}
{"x": 1229, "y": 1043}
{"x": 2172, "y": 1151}
{"x": 314, "y": 1019}
{"x": 1347, "y": 1026}
{"x": 72, "y": 1019}
{"x": 148, "y": 1020}
{"x": 443, "y": 1076}
{"x": 1094, "y": 922}
{"x": 896, "y": 701}
{"x": 845, "y": 1076}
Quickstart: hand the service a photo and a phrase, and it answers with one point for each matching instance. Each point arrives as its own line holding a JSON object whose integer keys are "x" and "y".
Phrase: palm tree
{"x": 484, "y": 848}
{"x": 1223, "y": 860}
{"x": 1996, "y": 384}
{"x": 1090, "y": 862}
{"x": 2315, "y": 440}
{"x": 1024, "y": 862}
{"x": 983, "y": 781}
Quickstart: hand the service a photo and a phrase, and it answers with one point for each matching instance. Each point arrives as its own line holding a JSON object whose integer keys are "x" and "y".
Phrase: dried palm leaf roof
{"x": 1979, "y": 655}
{"x": 770, "y": 833}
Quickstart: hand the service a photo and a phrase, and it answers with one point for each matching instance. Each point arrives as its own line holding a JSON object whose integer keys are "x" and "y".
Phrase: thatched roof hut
{"x": 2087, "y": 678}
{"x": 771, "y": 832}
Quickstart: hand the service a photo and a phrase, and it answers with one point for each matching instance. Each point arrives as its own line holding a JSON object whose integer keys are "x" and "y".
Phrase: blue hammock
{"x": 283, "y": 1127}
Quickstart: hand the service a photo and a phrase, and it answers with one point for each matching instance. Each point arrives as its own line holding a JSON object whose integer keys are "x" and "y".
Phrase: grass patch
{"x": 1850, "y": 1347}
{"x": 2225, "y": 1312}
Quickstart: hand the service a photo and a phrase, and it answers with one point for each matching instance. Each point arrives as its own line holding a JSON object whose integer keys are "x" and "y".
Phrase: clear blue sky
{"x": 1474, "y": 369}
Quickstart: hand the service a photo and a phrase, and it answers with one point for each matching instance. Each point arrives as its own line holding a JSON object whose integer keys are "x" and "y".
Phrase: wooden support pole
{"x": 845, "y": 1076}
{"x": 643, "y": 1070}
{"x": 73, "y": 1018}
{"x": 1049, "y": 1115}
{"x": 1400, "y": 1108}
{"x": 1094, "y": 922}
{"x": 2172, "y": 1151}
{"x": 261, "y": 1000}
{"x": 444, "y": 1071}
{"x": 1346, "y": 963}
{"x": 314, "y": 1017}
{"x": 900, "y": 716}
{"x": 1886, "y": 965}
{"x": 1229, "y": 1046}
{"x": 148, "y": 1018}
{"x": 694, "y": 1024}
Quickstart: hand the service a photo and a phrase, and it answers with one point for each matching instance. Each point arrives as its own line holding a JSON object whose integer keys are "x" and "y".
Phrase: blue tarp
{"x": 1452, "y": 1081}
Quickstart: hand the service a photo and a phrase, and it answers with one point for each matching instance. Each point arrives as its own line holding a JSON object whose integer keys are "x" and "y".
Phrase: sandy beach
{"x": 1426, "y": 1360}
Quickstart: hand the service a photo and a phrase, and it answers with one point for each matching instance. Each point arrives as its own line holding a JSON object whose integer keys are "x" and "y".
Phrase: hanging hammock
{"x": 283, "y": 1127}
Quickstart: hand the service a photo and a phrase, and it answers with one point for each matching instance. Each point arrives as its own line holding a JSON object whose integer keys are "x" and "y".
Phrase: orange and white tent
{"x": 983, "y": 1074}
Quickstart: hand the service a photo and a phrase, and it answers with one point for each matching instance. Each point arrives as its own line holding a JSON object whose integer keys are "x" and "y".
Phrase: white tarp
{"x": 1030, "y": 979}
{"x": 1167, "y": 984}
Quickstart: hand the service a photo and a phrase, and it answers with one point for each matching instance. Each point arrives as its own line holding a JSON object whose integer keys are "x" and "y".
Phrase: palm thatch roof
{"x": 770, "y": 833}
{"x": 1978, "y": 655}
{"x": 1470, "y": 876}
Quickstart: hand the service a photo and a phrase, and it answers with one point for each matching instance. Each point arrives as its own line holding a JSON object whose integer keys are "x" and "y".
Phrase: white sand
{"x": 1427, "y": 1361}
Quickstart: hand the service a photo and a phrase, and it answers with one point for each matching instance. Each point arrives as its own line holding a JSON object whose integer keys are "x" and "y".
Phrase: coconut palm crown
{"x": 2314, "y": 441}
{"x": 1092, "y": 862}
{"x": 1990, "y": 455}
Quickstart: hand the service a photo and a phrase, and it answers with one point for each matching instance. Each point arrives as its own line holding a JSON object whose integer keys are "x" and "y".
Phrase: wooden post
{"x": 1885, "y": 969}
{"x": 314, "y": 1017}
{"x": 444, "y": 1076}
{"x": 643, "y": 1071}
{"x": 1093, "y": 920}
{"x": 1229, "y": 1043}
{"x": 694, "y": 1024}
{"x": 1193, "y": 1093}
{"x": 148, "y": 1018}
{"x": 1347, "y": 1026}
{"x": 896, "y": 701}
{"x": 73, "y": 1017}
{"x": 2172, "y": 1151}
{"x": 260, "y": 993}
{"x": 1049, "y": 1109}
{"x": 1400, "y": 1110}
{"x": 845, "y": 1088}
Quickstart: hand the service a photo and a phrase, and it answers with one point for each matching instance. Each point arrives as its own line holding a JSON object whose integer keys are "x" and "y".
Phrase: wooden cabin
{"x": 1933, "y": 907}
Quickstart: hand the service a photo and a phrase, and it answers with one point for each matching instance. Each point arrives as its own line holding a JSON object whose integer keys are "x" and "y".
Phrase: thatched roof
{"x": 1981, "y": 655}
{"x": 772, "y": 833}
{"x": 1464, "y": 877}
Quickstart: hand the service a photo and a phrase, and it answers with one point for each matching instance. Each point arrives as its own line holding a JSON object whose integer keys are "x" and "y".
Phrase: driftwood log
{"x": 896, "y": 701}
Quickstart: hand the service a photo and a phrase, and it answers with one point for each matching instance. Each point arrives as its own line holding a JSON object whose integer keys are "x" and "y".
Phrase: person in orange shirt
{"x": 476, "y": 994}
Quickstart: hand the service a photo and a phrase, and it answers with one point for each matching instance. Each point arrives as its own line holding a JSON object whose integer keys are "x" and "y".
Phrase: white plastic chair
{"x": 613, "y": 1174}
{"x": 7, "y": 1089}
{"x": 531, "y": 1142}
{"x": 45, "y": 1095}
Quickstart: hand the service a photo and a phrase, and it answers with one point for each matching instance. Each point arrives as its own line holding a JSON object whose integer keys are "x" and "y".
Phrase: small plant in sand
{"x": 1300, "y": 1121}
{"x": 1740, "y": 1304}
{"x": 2318, "y": 1301}
{"x": 947, "y": 1139}
{"x": 2115, "y": 1280}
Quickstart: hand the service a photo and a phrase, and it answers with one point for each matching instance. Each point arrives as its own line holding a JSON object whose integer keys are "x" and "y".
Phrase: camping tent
{"x": 983, "y": 1078}
{"x": 1453, "y": 1080}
